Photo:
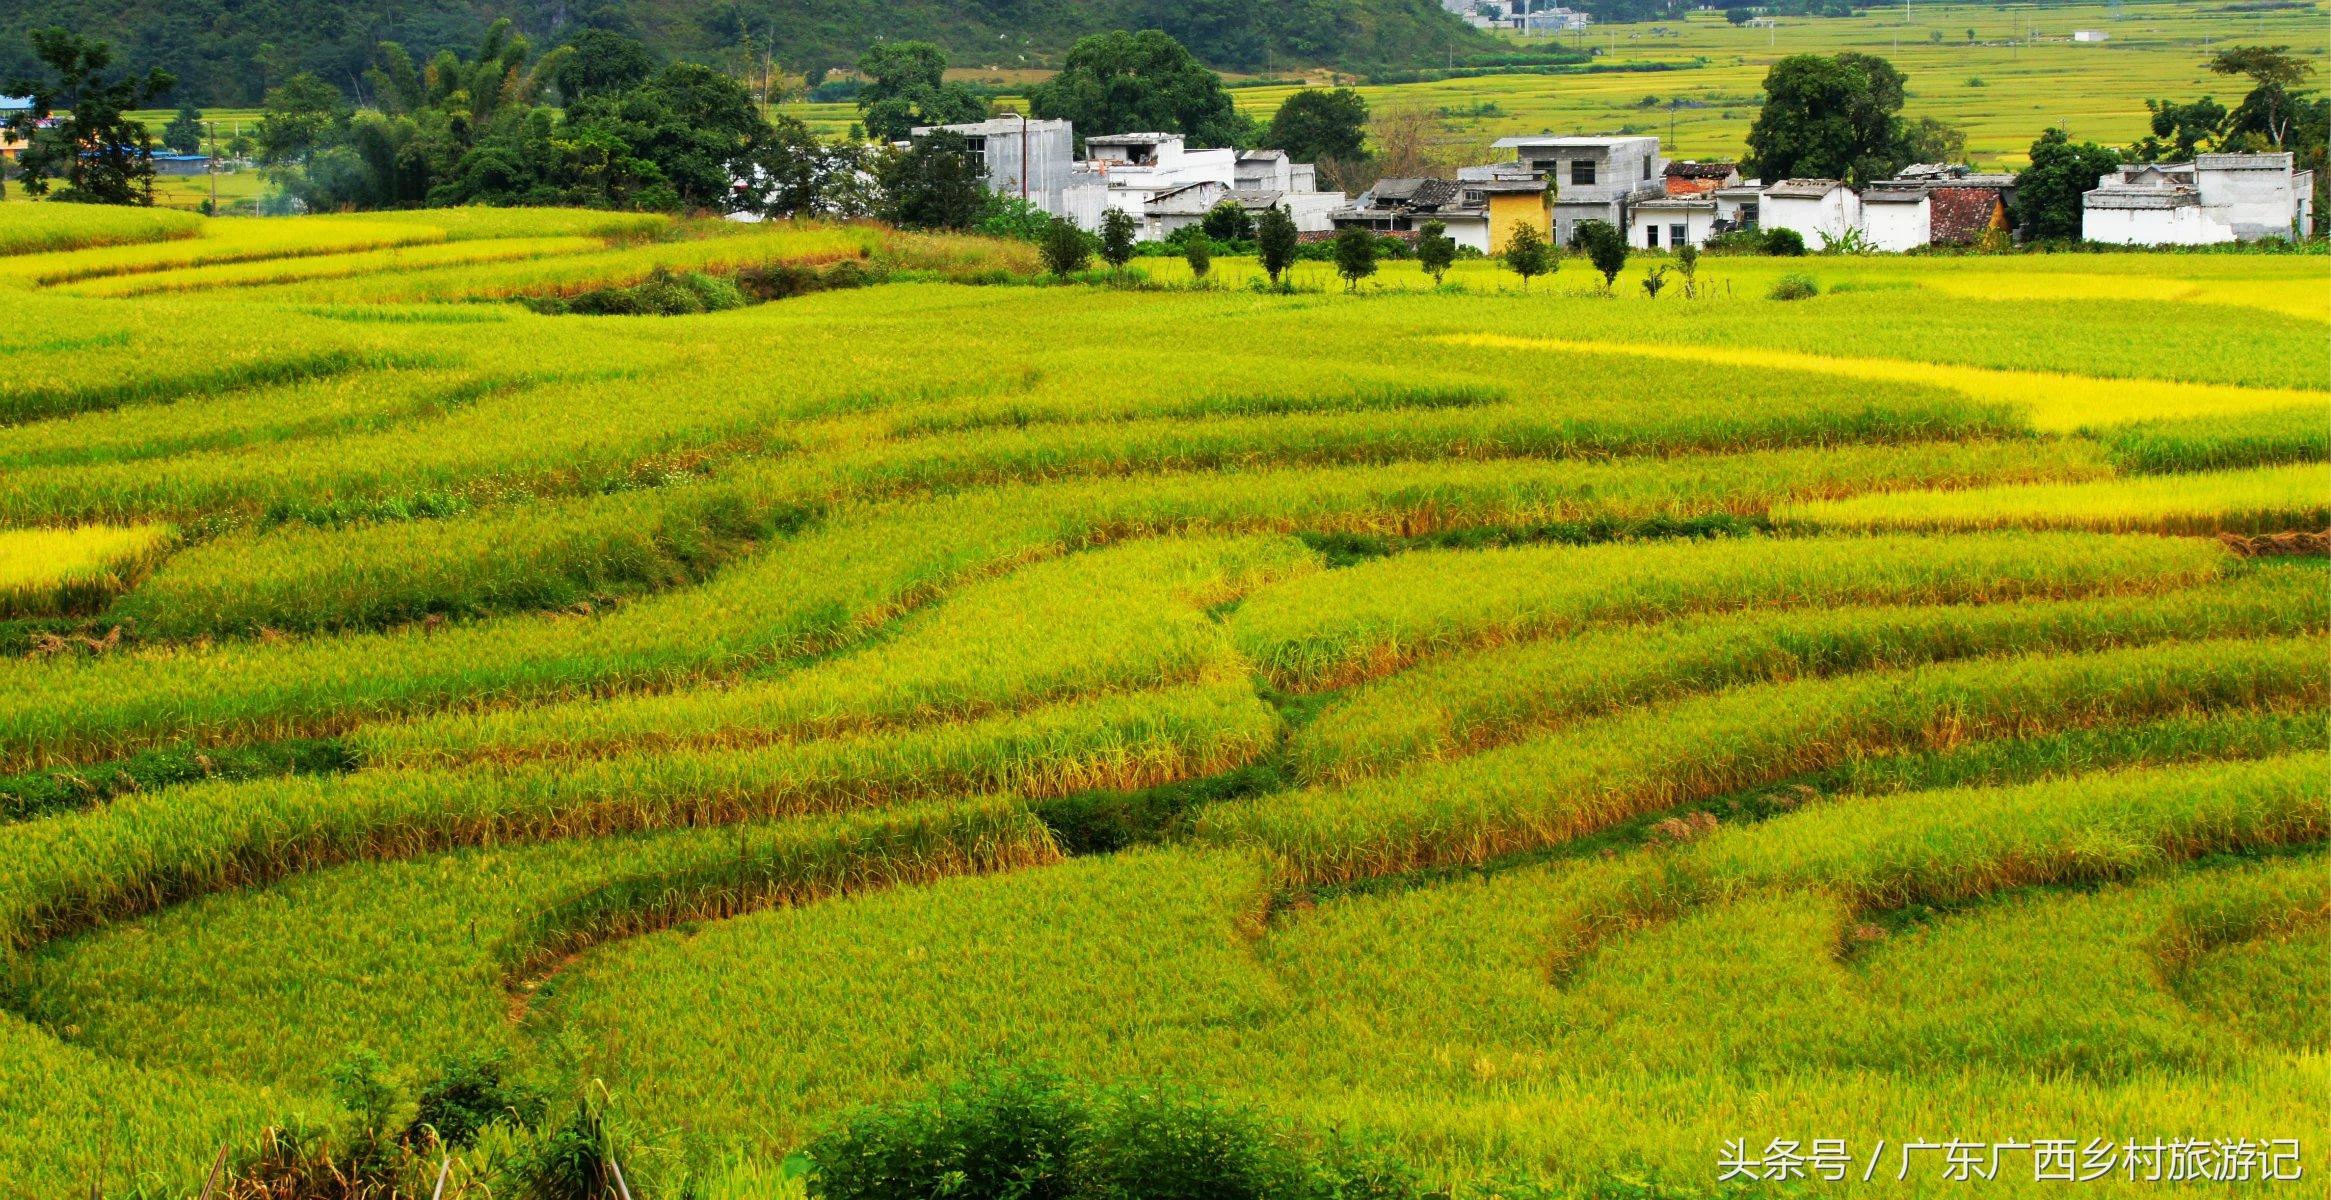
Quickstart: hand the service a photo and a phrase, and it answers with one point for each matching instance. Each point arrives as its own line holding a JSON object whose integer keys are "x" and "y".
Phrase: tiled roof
{"x": 1803, "y": 189}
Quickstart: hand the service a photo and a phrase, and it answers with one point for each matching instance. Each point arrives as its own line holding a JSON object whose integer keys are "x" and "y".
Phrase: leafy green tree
{"x": 2048, "y": 192}
{"x": 1121, "y": 82}
{"x": 935, "y": 183}
{"x": 1228, "y": 221}
{"x": 299, "y": 117}
{"x": 1605, "y": 247}
{"x": 2275, "y": 75}
{"x": 1527, "y": 254}
{"x": 1830, "y": 118}
{"x": 699, "y": 126}
{"x": 1321, "y": 125}
{"x": 1932, "y": 141}
{"x": 1275, "y": 241}
{"x": 1435, "y": 249}
{"x": 103, "y": 156}
{"x": 596, "y": 62}
{"x": 906, "y": 86}
{"x": 1199, "y": 253}
{"x": 1117, "y": 237}
{"x": 183, "y": 135}
{"x": 1065, "y": 248}
{"x": 2179, "y": 130}
{"x": 1355, "y": 256}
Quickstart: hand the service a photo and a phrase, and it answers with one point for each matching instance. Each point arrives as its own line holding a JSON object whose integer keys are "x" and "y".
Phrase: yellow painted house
{"x": 1512, "y": 204}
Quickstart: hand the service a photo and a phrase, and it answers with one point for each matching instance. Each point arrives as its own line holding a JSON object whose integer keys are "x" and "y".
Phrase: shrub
{"x": 1784, "y": 243}
{"x": 1066, "y": 249}
{"x": 471, "y": 1091}
{"x": 1794, "y": 287}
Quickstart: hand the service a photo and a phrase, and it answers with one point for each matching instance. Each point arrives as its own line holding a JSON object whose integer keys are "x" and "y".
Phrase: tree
{"x": 1527, "y": 254}
{"x": 1199, "y": 253}
{"x": 906, "y": 86}
{"x": 1321, "y": 125}
{"x": 298, "y": 117}
{"x": 1275, "y": 240}
{"x": 2048, "y": 192}
{"x": 2275, "y": 75}
{"x": 1117, "y": 237}
{"x": 103, "y": 156}
{"x": 1355, "y": 256}
{"x": 1228, "y": 221}
{"x": 1435, "y": 249}
{"x": 1830, "y": 118}
{"x": 2179, "y": 130}
{"x": 1605, "y": 247}
{"x": 1932, "y": 141}
{"x": 596, "y": 62}
{"x": 183, "y": 135}
{"x": 1687, "y": 264}
{"x": 935, "y": 183}
{"x": 1065, "y": 248}
{"x": 1121, "y": 82}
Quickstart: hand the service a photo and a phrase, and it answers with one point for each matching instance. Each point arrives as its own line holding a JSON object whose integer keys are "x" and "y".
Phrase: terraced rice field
{"x": 1553, "y": 736}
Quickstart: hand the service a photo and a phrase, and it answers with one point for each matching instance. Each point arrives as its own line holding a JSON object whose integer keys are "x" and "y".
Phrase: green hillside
{"x": 227, "y": 52}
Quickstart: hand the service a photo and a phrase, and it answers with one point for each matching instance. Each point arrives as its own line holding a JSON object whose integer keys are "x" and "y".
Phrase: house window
{"x": 1677, "y": 235}
{"x": 1651, "y": 236}
{"x": 1582, "y": 171}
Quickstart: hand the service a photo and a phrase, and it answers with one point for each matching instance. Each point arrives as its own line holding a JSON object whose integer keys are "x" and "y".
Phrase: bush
{"x": 1065, "y": 248}
{"x": 470, "y": 1093}
{"x": 1026, "y": 1134}
{"x": 1793, "y": 287}
{"x": 1784, "y": 243}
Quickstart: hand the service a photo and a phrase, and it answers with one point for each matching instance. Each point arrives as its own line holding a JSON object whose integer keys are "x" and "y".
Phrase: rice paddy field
{"x": 1577, "y": 742}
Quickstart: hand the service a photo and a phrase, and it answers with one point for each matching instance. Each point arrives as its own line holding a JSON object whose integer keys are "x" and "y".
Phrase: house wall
{"x": 1896, "y": 227}
{"x": 1699, "y": 225}
{"x": 1827, "y": 218}
{"x": 1470, "y": 231}
{"x": 2256, "y": 204}
{"x": 1509, "y": 211}
{"x": 1310, "y": 209}
{"x": 2186, "y": 225}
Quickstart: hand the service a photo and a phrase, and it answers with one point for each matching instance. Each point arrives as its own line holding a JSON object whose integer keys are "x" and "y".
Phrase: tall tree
{"x": 2275, "y": 75}
{"x": 2048, "y": 192}
{"x": 1830, "y": 118}
{"x": 299, "y": 117}
{"x": 1605, "y": 247}
{"x": 1143, "y": 82}
{"x": 103, "y": 156}
{"x": 1275, "y": 241}
{"x": 598, "y": 61}
{"x": 906, "y": 86}
{"x": 1355, "y": 256}
{"x": 1117, "y": 238}
{"x": 1321, "y": 124}
{"x": 936, "y": 183}
{"x": 1435, "y": 249}
{"x": 183, "y": 135}
{"x": 2180, "y": 130}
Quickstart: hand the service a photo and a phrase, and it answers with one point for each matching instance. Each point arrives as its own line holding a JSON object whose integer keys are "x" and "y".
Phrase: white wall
{"x": 1698, "y": 226}
{"x": 2255, "y": 204}
{"x": 2183, "y": 226}
{"x": 1827, "y": 218}
{"x": 1896, "y": 227}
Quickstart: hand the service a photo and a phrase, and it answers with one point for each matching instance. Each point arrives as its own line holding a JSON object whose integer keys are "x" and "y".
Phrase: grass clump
{"x": 1793, "y": 287}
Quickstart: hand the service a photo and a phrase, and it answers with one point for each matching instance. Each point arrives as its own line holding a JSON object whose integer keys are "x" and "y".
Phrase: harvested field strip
{"x": 335, "y": 266}
{"x": 2053, "y": 403}
{"x": 468, "y": 925}
{"x": 53, "y": 572}
{"x": 1118, "y": 618}
{"x": 1337, "y": 629}
{"x": 860, "y": 568}
{"x": 2255, "y": 500}
{"x": 1950, "y": 847}
{"x": 1542, "y": 793}
{"x": 1448, "y": 709}
{"x": 75, "y": 872}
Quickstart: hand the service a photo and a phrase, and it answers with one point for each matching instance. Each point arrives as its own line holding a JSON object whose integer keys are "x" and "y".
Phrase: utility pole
{"x": 212, "y": 128}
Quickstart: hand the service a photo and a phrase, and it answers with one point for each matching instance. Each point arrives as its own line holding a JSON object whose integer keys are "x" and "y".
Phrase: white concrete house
{"x": 2215, "y": 198}
{"x": 1596, "y": 178}
{"x": 1820, "y": 210}
{"x": 1034, "y": 159}
{"x": 1672, "y": 222}
{"x": 1165, "y": 185}
{"x": 1897, "y": 219}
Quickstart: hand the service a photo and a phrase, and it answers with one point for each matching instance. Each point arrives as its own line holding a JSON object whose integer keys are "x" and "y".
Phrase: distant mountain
{"x": 227, "y": 52}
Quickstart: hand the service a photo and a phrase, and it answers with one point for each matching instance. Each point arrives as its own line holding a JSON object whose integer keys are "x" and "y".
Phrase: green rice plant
{"x": 2286, "y": 435}
{"x": 475, "y": 929}
{"x": 82, "y": 869}
{"x": 1541, "y": 793}
{"x": 2252, "y": 961}
{"x": 2253, "y": 500}
{"x": 996, "y": 645}
{"x": 1451, "y": 708}
{"x": 31, "y": 228}
{"x": 1337, "y": 629}
{"x": 49, "y": 572}
{"x": 540, "y": 556}
{"x": 300, "y": 268}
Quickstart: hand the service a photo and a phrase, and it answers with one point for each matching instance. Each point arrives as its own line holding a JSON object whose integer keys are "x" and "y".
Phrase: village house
{"x": 1820, "y": 210}
{"x": 1687, "y": 179}
{"x": 2215, "y": 198}
{"x": 1029, "y": 159}
{"x": 1896, "y": 219}
{"x": 1673, "y": 222}
{"x": 1399, "y": 207}
{"x": 1595, "y": 178}
{"x": 1964, "y": 205}
{"x": 1153, "y": 177}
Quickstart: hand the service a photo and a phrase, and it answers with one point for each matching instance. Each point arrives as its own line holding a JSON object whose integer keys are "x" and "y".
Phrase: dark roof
{"x": 1702, "y": 170}
{"x": 1414, "y": 193}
